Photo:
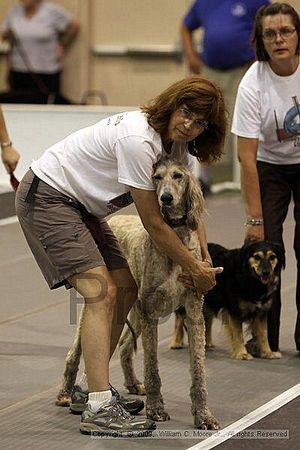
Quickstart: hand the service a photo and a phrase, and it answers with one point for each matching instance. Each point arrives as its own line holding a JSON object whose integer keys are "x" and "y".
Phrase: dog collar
{"x": 269, "y": 293}
{"x": 179, "y": 222}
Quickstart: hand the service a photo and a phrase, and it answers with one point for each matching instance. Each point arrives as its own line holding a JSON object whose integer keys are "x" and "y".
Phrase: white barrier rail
{"x": 33, "y": 128}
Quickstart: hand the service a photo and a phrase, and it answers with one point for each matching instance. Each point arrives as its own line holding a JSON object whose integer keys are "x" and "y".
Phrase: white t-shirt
{"x": 97, "y": 164}
{"x": 267, "y": 107}
{"x": 36, "y": 36}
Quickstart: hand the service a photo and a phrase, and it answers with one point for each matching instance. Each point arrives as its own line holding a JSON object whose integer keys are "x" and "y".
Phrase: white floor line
{"x": 249, "y": 419}
{"x": 8, "y": 221}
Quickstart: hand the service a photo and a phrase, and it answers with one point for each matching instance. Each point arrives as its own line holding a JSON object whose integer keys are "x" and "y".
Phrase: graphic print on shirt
{"x": 291, "y": 124}
{"x": 118, "y": 119}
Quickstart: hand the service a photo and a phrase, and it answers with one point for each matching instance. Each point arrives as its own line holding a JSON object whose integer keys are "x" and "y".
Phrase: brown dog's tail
{"x": 133, "y": 335}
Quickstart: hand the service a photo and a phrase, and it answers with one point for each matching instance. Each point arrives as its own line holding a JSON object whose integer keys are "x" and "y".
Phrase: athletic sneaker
{"x": 79, "y": 398}
{"x": 114, "y": 418}
{"x": 133, "y": 405}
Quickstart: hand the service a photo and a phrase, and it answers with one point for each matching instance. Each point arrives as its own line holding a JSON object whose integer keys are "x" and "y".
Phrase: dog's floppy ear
{"x": 194, "y": 202}
{"x": 246, "y": 252}
{"x": 278, "y": 248}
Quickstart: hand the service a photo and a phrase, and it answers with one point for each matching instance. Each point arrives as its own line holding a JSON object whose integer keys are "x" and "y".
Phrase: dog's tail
{"x": 71, "y": 369}
{"x": 133, "y": 335}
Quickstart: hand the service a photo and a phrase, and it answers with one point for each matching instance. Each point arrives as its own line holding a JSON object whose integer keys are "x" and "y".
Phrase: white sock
{"x": 99, "y": 399}
{"x": 83, "y": 382}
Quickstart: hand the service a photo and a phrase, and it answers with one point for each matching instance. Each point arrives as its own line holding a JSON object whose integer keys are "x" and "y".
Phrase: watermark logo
{"x": 99, "y": 290}
{"x": 192, "y": 434}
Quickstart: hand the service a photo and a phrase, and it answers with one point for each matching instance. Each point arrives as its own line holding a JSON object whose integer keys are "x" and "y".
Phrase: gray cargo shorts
{"x": 58, "y": 236}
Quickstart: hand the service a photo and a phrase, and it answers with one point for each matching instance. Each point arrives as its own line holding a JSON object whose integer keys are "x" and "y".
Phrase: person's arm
{"x": 9, "y": 155}
{"x": 169, "y": 243}
{"x": 203, "y": 244}
{"x": 247, "y": 151}
{"x": 192, "y": 56}
{"x": 7, "y": 36}
{"x": 6, "y": 32}
{"x": 184, "y": 277}
{"x": 67, "y": 37}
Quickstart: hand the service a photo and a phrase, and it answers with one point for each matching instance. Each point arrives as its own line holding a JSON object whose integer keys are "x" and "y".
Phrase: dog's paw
{"x": 157, "y": 413}
{"x": 271, "y": 355}
{"x": 63, "y": 400}
{"x": 243, "y": 355}
{"x": 176, "y": 345}
{"x": 206, "y": 422}
{"x": 137, "y": 389}
{"x": 209, "y": 346}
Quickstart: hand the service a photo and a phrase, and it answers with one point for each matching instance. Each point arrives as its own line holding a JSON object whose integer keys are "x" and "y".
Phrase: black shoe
{"x": 79, "y": 398}
{"x": 133, "y": 405}
{"x": 114, "y": 418}
{"x": 252, "y": 347}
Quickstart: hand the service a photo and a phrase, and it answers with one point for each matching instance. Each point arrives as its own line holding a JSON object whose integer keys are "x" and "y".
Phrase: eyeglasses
{"x": 284, "y": 33}
{"x": 200, "y": 124}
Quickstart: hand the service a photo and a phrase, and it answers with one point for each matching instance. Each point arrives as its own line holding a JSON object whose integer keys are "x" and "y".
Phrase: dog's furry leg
{"x": 203, "y": 418}
{"x": 177, "y": 338}
{"x": 72, "y": 363}
{"x": 259, "y": 328}
{"x": 154, "y": 405}
{"x": 126, "y": 345}
{"x": 234, "y": 328}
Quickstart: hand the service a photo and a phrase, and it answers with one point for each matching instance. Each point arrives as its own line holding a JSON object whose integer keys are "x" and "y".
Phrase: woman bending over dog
{"x": 64, "y": 198}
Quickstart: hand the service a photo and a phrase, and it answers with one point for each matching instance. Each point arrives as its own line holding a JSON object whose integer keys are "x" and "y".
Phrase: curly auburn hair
{"x": 200, "y": 96}
{"x": 271, "y": 10}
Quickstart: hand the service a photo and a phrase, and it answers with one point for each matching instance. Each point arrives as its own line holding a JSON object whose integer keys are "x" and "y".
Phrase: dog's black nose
{"x": 167, "y": 199}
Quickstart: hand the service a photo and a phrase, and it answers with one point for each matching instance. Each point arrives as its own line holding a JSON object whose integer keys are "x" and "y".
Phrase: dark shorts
{"x": 58, "y": 236}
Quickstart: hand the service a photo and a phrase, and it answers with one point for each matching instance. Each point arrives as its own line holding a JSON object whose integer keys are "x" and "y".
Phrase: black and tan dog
{"x": 243, "y": 294}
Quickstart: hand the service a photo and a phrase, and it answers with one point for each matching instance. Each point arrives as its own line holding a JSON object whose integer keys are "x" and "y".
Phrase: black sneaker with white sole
{"x": 114, "y": 419}
{"x": 79, "y": 398}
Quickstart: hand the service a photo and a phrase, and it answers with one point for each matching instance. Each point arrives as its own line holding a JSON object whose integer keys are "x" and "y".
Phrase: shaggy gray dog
{"x": 160, "y": 293}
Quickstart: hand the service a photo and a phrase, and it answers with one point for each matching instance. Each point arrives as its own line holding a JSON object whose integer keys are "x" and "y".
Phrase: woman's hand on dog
{"x": 201, "y": 282}
{"x": 254, "y": 233}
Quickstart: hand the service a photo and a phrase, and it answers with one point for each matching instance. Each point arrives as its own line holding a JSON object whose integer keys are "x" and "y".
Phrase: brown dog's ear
{"x": 247, "y": 249}
{"x": 194, "y": 202}
{"x": 280, "y": 253}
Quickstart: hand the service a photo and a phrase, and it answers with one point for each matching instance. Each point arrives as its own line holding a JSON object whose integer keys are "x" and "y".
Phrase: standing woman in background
{"x": 39, "y": 33}
{"x": 267, "y": 123}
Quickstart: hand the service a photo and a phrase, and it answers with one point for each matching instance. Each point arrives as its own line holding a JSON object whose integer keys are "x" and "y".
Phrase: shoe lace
{"x": 118, "y": 410}
{"x": 114, "y": 392}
